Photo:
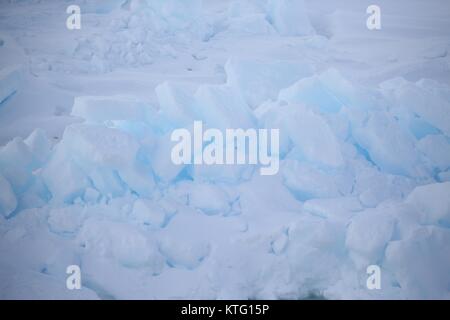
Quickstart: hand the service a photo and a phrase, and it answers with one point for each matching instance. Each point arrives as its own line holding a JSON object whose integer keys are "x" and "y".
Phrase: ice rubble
{"x": 8, "y": 201}
{"x": 364, "y": 179}
{"x": 138, "y": 33}
{"x": 9, "y": 82}
{"x": 261, "y": 80}
{"x": 368, "y": 181}
{"x": 129, "y": 33}
{"x": 268, "y": 17}
{"x": 289, "y": 17}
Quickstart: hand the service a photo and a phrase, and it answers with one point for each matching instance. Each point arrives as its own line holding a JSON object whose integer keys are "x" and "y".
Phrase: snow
{"x": 323, "y": 93}
{"x": 17, "y": 164}
{"x": 390, "y": 147}
{"x": 100, "y": 109}
{"x": 132, "y": 249}
{"x": 367, "y": 236}
{"x": 8, "y": 201}
{"x": 432, "y": 212}
{"x": 9, "y": 82}
{"x": 209, "y": 198}
{"x": 39, "y": 145}
{"x": 69, "y": 182}
{"x": 428, "y": 276}
{"x": 97, "y": 146}
{"x": 65, "y": 219}
{"x": 339, "y": 208}
{"x": 147, "y": 213}
{"x": 436, "y": 148}
{"x": 289, "y": 17}
{"x": 86, "y": 176}
{"x": 177, "y": 14}
{"x": 252, "y": 24}
{"x": 307, "y": 182}
{"x": 221, "y": 107}
{"x": 413, "y": 98}
{"x": 176, "y": 103}
{"x": 261, "y": 80}
{"x": 308, "y": 131}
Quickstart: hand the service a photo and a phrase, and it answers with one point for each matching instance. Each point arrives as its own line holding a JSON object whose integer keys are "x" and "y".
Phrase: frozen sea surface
{"x": 86, "y": 176}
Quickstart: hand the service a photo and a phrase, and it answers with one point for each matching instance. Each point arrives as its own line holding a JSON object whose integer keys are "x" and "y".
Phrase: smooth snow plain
{"x": 86, "y": 176}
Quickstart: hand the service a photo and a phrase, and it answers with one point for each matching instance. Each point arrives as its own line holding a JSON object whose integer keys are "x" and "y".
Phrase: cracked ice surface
{"x": 86, "y": 176}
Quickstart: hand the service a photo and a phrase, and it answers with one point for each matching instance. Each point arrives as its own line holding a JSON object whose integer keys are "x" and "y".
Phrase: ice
{"x": 437, "y": 149}
{"x": 244, "y": 8}
{"x": 248, "y": 18}
{"x": 270, "y": 116}
{"x": 91, "y": 195}
{"x": 8, "y": 201}
{"x": 252, "y": 24}
{"x": 311, "y": 92}
{"x": 444, "y": 176}
{"x": 420, "y": 263}
{"x": 299, "y": 261}
{"x": 233, "y": 174}
{"x": 129, "y": 246}
{"x": 280, "y": 243}
{"x": 328, "y": 92}
{"x": 177, "y": 103}
{"x": 307, "y": 182}
{"x": 16, "y": 164}
{"x": 165, "y": 170}
{"x": 189, "y": 248}
{"x": 315, "y": 232}
{"x": 146, "y": 212}
{"x": 95, "y": 145}
{"x": 139, "y": 178}
{"x": 39, "y": 145}
{"x": 374, "y": 187}
{"x": 177, "y": 14}
{"x": 314, "y": 138}
{"x": 64, "y": 179}
{"x": 289, "y": 17}
{"x": 364, "y": 175}
{"x": 367, "y": 236}
{"x": 260, "y": 80}
{"x": 106, "y": 158}
{"x": 221, "y": 107}
{"x": 337, "y": 208}
{"x": 439, "y": 51}
{"x": 433, "y": 203}
{"x": 99, "y": 6}
{"x": 31, "y": 289}
{"x": 66, "y": 219}
{"x": 91, "y": 153}
{"x": 10, "y": 78}
{"x": 137, "y": 33}
{"x": 307, "y": 131}
{"x": 209, "y": 198}
{"x": 388, "y": 146}
{"x": 411, "y": 101}
{"x": 97, "y": 109}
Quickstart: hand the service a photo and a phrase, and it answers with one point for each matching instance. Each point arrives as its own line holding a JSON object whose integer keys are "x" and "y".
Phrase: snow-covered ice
{"x": 86, "y": 176}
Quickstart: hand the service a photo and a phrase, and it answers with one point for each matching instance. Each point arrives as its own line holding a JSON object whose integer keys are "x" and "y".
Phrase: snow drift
{"x": 364, "y": 175}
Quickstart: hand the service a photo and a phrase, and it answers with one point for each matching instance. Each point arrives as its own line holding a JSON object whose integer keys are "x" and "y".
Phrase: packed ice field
{"x": 86, "y": 176}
